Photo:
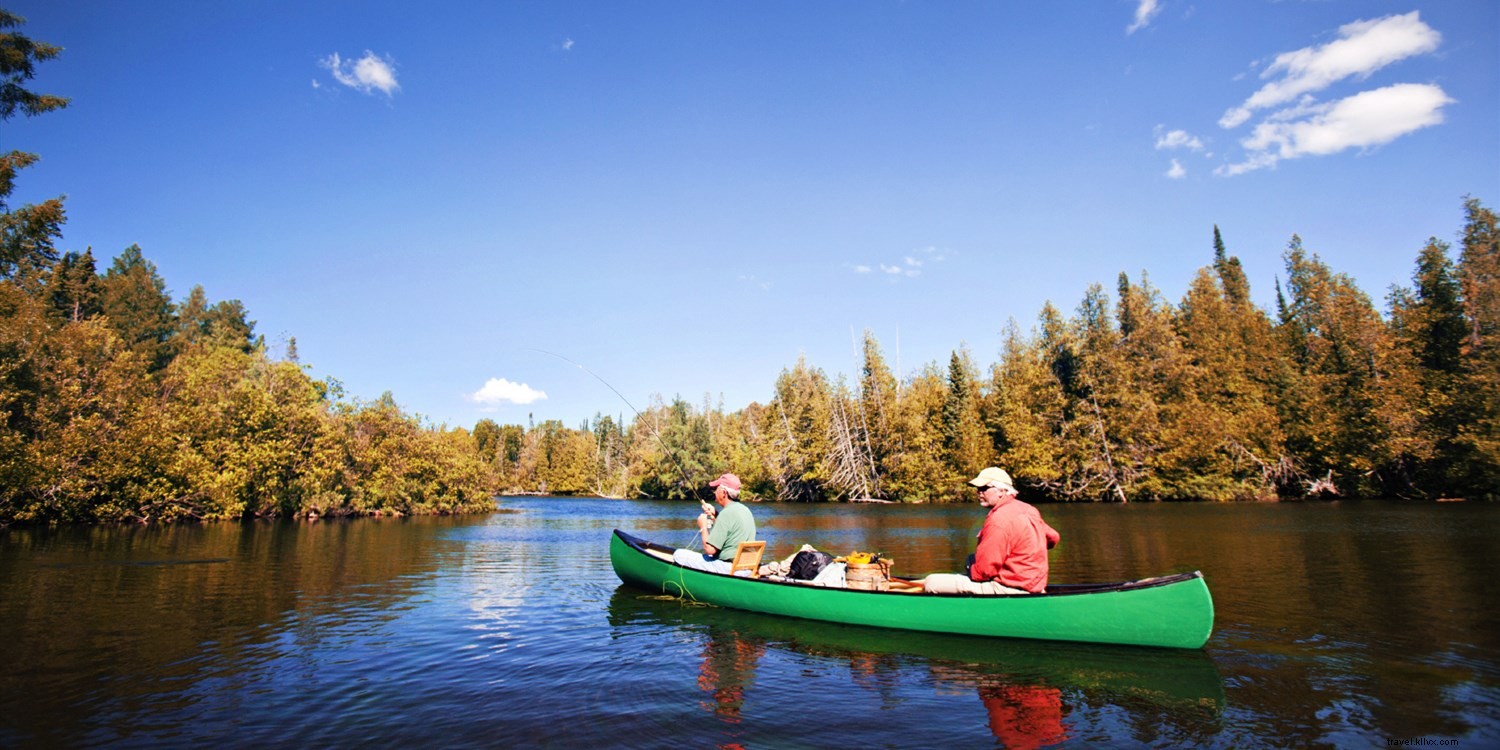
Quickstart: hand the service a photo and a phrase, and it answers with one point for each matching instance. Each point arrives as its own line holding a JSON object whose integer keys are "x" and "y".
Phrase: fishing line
{"x": 638, "y": 416}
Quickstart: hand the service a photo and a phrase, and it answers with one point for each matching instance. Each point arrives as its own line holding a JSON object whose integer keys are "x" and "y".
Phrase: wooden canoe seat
{"x": 747, "y": 557}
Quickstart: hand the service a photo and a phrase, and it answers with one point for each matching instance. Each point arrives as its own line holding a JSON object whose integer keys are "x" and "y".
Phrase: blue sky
{"x": 685, "y": 197}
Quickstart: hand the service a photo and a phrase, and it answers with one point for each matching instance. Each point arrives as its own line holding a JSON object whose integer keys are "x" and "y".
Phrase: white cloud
{"x": 1177, "y": 139}
{"x": 1176, "y": 172}
{"x": 567, "y": 45}
{"x": 1144, "y": 12}
{"x": 497, "y": 391}
{"x": 1362, "y": 48}
{"x": 909, "y": 267}
{"x": 367, "y": 74}
{"x": 1364, "y": 120}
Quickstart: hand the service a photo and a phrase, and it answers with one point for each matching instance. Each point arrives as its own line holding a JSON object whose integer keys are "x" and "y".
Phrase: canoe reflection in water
{"x": 1027, "y": 688}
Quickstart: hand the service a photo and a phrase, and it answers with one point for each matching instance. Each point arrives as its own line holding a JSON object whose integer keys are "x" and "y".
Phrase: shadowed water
{"x": 1345, "y": 624}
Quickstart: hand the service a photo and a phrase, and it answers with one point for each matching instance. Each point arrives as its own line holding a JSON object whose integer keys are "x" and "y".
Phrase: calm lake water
{"x": 1346, "y": 624}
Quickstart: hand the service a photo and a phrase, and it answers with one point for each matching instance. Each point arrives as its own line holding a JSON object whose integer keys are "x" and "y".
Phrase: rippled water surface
{"x": 1346, "y": 624}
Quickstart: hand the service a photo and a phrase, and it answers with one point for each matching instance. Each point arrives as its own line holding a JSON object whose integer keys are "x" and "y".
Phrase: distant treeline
{"x": 118, "y": 405}
{"x": 1130, "y": 398}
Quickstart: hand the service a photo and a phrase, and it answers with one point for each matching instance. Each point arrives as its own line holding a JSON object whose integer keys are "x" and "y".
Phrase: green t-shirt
{"x": 734, "y": 525}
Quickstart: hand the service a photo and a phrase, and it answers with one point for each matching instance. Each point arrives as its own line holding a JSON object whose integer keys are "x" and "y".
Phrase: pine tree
{"x": 967, "y": 447}
{"x": 1229, "y": 411}
{"x": 878, "y": 414}
{"x": 919, "y": 473}
{"x": 1336, "y": 338}
{"x": 1421, "y": 390}
{"x": 28, "y": 233}
{"x": 1030, "y": 412}
{"x": 77, "y": 291}
{"x": 138, "y": 307}
{"x": 19, "y": 55}
{"x": 797, "y": 428}
{"x": 1479, "y": 410}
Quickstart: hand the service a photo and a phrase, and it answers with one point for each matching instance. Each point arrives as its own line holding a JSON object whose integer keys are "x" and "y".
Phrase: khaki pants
{"x": 953, "y": 583}
{"x": 689, "y": 559}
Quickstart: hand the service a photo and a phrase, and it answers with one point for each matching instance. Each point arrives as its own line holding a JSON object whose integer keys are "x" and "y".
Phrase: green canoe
{"x": 1173, "y": 611}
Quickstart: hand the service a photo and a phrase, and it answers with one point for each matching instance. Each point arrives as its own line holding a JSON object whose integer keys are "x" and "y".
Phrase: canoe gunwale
{"x": 1057, "y": 590}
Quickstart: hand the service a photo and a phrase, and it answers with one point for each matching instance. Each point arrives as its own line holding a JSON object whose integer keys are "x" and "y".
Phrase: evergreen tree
{"x": 1231, "y": 274}
{"x": 19, "y": 55}
{"x": 192, "y": 321}
{"x": 228, "y": 325}
{"x": 27, "y": 234}
{"x": 1150, "y": 410}
{"x": 1479, "y": 410}
{"x": 1100, "y": 385}
{"x": 967, "y": 447}
{"x": 919, "y": 473}
{"x": 797, "y": 426}
{"x": 878, "y": 409}
{"x": 139, "y": 308}
{"x": 1228, "y": 413}
{"x": 77, "y": 291}
{"x": 1421, "y": 389}
{"x": 1030, "y": 412}
{"x": 1335, "y": 336}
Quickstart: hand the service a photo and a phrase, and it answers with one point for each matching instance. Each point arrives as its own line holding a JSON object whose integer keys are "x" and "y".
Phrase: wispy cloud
{"x": 1298, "y": 124}
{"x": 910, "y": 266}
{"x": 567, "y": 45}
{"x": 1145, "y": 10}
{"x": 367, "y": 75}
{"x": 497, "y": 391}
{"x": 1365, "y": 120}
{"x": 1176, "y": 172}
{"x": 1174, "y": 139}
{"x": 1362, "y": 48}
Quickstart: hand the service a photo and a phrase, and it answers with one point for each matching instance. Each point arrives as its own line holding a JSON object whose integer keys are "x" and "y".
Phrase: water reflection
{"x": 728, "y": 666}
{"x": 1342, "y": 624}
{"x": 115, "y": 625}
{"x": 1027, "y": 689}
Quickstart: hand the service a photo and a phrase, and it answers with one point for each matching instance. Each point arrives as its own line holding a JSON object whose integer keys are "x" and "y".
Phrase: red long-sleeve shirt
{"x": 1013, "y": 546}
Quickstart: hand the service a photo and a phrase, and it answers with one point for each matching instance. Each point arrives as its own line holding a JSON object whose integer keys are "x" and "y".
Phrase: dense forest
{"x": 118, "y": 403}
{"x": 1128, "y": 398}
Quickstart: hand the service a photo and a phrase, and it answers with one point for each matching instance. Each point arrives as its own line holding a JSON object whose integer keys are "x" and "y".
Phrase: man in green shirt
{"x": 721, "y": 532}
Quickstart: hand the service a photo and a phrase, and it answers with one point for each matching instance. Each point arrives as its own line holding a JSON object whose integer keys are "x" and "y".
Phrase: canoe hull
{"x": 1169, "y": 612}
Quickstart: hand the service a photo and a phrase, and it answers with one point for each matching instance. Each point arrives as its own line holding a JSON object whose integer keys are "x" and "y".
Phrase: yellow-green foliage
{"x": 1129, "y": 398}
{"x": 223, "y": 431}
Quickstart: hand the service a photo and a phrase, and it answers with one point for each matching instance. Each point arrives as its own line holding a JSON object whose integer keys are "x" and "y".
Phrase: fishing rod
{"x": 685, "y": 478}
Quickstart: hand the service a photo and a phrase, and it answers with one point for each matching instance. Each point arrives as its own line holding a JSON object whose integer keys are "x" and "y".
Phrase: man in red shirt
{"x": 1012, "y": 554}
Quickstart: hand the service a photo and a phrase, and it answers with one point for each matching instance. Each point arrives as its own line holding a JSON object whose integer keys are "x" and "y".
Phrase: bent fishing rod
{"x": 670, "y": 454}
